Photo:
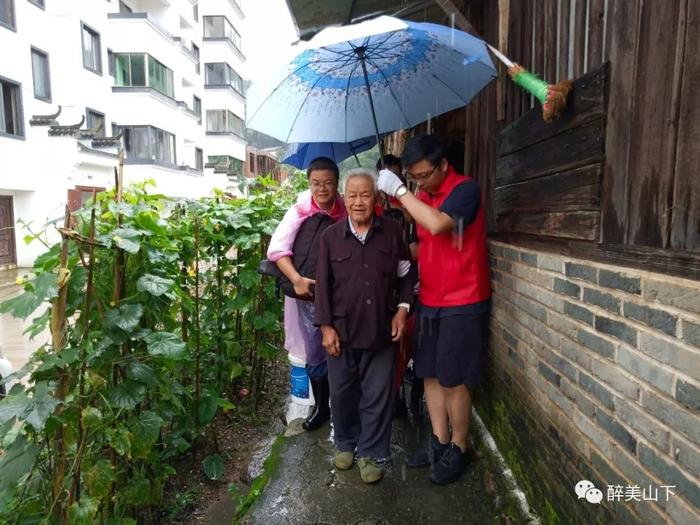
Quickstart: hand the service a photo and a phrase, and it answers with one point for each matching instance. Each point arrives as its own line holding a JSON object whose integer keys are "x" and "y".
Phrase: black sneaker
{"x": 452, "y": 465}
{"x": 425, "y": 456}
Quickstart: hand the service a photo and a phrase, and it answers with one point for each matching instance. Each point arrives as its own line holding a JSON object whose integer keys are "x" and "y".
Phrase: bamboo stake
{"x": 196, "y": 335}
{"x": 219, "y": 311}
{"x": 117, "y": 294}
{"x": 58, "y": 336}
{"x": 75, "y": 491}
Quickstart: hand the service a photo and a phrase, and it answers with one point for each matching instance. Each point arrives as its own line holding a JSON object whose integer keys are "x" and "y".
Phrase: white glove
{"x": 389, "y": 182}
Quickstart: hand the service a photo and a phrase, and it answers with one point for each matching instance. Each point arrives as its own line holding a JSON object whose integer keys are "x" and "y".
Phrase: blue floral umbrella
{"x": 408, "y": 72}
{"x": 301, "y": 155}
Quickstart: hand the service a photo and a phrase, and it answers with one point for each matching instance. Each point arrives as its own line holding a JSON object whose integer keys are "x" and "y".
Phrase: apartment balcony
{"x": 224, "y": 85}
{"x": 145, "y": 78}
{"x": 237, "y": 7}
{"x": 142, "y": 30}
{"x": 142, "y": 18}
{"x": 171, "y": 14}
{"x": 220, "y": 29}
{"x": 225, "y": 143}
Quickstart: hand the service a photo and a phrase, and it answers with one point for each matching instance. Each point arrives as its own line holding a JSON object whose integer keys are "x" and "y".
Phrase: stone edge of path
{"x": 504, "y": 471}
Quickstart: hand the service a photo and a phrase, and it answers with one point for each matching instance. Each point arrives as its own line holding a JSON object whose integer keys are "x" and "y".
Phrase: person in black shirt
{"x": 364, "y": 288}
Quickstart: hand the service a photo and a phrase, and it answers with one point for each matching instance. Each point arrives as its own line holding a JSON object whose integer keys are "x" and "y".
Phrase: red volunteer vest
{"x": 453, "y": 268}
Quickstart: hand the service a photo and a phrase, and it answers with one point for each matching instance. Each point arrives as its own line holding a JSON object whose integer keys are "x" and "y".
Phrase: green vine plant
{"x": 157, "y": 318}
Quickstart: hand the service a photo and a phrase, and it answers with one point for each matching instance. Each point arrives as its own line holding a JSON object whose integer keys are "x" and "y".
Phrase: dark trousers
{"x": 361, "y": 386}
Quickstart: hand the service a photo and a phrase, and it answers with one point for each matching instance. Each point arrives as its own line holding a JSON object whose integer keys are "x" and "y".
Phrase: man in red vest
{"x": 454, "y": 296}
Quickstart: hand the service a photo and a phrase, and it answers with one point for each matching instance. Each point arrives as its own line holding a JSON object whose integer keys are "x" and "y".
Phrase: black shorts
{"x": 451, "y": 348}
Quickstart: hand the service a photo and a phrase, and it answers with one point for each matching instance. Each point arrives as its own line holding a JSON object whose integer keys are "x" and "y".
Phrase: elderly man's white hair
{"x": 361, "y": 172}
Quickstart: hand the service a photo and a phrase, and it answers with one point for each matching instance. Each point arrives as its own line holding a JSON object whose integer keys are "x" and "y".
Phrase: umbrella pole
{"x": 361, "y": 54}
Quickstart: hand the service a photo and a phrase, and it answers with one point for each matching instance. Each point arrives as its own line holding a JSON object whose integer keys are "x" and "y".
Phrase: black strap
{"x": 319, "y": 221}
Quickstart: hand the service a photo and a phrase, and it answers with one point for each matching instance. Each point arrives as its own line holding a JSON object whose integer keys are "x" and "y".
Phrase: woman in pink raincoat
{"x": 321, "y": 198}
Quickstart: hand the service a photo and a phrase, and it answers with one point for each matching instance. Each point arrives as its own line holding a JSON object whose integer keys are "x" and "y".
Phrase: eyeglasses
{"x": 418, "y": 177}
{"x": 314, "y": 185}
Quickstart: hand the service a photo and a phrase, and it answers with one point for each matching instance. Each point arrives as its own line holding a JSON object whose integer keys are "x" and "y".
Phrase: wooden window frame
{"x": 89, "y": 110}
{"x": 93, "y": 32}
{"x": 20, "y": 113}
{"x": 12, "y": 25}
{"x": 33, "y": 50}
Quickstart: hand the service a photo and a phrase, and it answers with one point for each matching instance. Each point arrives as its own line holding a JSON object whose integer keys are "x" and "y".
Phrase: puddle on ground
{"x": 307, "y": 489}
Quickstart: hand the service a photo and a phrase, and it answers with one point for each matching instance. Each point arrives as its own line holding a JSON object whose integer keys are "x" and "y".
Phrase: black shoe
{"x": 322, "y": 411}
{"x": 426, "y": 456}
{"x": 452, "y": 465}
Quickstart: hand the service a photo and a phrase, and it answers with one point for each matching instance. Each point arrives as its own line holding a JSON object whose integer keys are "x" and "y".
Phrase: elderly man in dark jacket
{"x": 364, "y": 287}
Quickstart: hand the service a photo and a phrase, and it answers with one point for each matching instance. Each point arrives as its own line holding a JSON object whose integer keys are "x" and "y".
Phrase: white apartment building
{"x": 80, "y": 78}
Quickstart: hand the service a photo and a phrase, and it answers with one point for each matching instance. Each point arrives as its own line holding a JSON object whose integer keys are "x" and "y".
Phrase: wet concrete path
{"x": 306, "y": 488}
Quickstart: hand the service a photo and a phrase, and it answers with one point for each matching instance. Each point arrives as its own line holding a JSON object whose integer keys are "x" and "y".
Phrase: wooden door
{"x": 7, "y": 231}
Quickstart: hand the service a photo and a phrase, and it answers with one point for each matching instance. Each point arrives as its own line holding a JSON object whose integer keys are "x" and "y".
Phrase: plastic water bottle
{"x": 299, "y": 382}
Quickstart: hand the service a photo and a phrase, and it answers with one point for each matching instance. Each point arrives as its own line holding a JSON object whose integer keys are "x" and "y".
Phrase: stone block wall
{"x": 595, "y": 374}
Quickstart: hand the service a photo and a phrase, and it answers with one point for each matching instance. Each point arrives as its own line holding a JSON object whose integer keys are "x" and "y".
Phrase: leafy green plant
{"x": 157, "y": 318}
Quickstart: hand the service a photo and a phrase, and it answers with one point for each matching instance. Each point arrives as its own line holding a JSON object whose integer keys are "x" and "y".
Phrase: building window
{"x": 38, "y": 3}
{"x": 10, "y": 108}
{"x": 130, "y": 69}
{"x": 160, "y": 77}
{"x": 96, "y": 121}
{"x": 92, "y": 59}
{"x": 224, "y": 121}
{"x": 40, "y": 75}
{"x": 7, "y": 13}
{"x": 219, "y": 27}
{"x": 141, "y": 70}
{"x": 197, "y": 105}
{"x": 225, "y": 163}
{"x": 221, "y": 74}
{"x": 110, "y": 62}
{"x": 195, "y": 51}
{"x": 195, "y": 11}
{"x": 251, "y": 161}
{"x": 148, "y": 143}
{"x": 123, "y": 8}
{"x": 198, "y": 159}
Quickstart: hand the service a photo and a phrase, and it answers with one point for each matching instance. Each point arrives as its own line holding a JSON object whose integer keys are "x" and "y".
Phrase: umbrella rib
{"x": 306, "y": 64}
{"x": 347, "y": 53}
{"x": 347, "y": 95}
{"x": 307, "y": 96}
{"x": 393, "y": 95}
{"x": 450, "y": 88}
{"x": 380, "y": 46}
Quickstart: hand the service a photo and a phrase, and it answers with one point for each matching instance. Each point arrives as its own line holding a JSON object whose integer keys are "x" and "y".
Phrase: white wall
{"x": 38, "y": 170}
{"x": 224, "y": 98}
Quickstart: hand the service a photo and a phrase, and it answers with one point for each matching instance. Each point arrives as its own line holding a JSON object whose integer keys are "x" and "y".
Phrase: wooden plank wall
{"x": 653, "y": 155}
{"x": 650, "y": 196}
{"x": 548, "y": 175}
{"x": 555, "y": 39}
{"x": 649, "y": 189}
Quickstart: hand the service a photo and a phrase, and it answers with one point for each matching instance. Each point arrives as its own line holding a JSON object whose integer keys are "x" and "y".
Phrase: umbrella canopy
{"x": 301, "y": 155}
{"x": 415, "y": 71}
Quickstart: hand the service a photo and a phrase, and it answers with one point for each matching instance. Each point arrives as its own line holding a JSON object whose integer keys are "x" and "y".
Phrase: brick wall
{"x": 595, "y": 374}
